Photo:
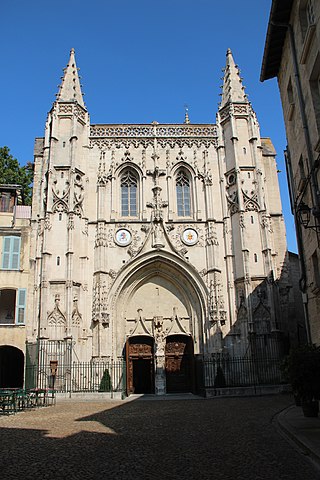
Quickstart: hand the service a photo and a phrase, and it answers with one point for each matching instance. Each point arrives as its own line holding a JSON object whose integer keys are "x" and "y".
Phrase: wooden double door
{"x": 179, "y": 364}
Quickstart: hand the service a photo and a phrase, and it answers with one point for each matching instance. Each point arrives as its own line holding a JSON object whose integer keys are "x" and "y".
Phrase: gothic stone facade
{"x": 153, "y": 241}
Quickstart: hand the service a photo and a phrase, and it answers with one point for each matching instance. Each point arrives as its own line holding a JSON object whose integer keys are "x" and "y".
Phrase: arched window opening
{"x": 129, "y": 186}
{"x": 183, "y": 194}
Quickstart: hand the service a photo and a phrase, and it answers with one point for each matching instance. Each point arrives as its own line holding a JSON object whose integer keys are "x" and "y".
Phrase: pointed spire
{"x": 186, "y": 115}
{"x": 70, "y": 88}
{"x": 232, "y": 88}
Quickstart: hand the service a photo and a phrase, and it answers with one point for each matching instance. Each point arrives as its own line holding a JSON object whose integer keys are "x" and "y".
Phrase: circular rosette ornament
{"x": 189, "y": 236}
{"x": 123, "y": 237}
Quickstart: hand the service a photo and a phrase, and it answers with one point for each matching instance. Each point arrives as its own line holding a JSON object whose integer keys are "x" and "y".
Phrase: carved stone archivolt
{"x": 56, "y": 317}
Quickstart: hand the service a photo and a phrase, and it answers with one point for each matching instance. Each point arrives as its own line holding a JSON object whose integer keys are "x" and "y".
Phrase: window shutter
{"x": 21, "y": 306}
{"x": 6, "y": 252}
{"x": 15, "y": 254}
{"x": 11, "y": 253}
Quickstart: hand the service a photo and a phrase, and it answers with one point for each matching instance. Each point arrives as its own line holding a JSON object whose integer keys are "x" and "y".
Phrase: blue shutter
{"x": 6, "y": 252}
{"x": 15, "y": 253}
{"x": 21, "y": 305}
{"x": 11, "y": 253}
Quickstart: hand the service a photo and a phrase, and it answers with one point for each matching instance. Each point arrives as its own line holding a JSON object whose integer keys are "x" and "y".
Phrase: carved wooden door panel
{"x": 179, "y": 364}
{"x": 140, "y": 365}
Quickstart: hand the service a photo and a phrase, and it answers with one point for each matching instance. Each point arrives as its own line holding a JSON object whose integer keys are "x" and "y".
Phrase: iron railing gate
{"x": 71, "y": 376}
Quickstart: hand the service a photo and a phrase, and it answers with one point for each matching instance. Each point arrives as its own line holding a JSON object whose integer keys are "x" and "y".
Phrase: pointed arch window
{"x": 129, "y": 197}
{"x": 183, "y": 194}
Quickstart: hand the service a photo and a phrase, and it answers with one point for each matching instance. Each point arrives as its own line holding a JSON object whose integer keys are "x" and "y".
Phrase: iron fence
{"x": 226, "y": 371}
{"x": 79, "y": 377}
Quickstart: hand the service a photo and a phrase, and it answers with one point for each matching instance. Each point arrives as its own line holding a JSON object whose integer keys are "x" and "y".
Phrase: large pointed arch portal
{"x": 158, "y": 315}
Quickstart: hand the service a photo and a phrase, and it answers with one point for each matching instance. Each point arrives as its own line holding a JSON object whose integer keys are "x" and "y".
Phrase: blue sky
{"x": 140, "y": 61}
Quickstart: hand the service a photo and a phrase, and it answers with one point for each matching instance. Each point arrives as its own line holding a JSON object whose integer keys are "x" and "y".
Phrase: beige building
{"x": 292, "y": 54}
{"x": 14, "y": 284}
{"x": 157, "y": 243}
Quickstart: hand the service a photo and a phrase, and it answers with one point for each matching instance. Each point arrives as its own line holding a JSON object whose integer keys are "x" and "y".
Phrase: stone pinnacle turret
{"x": 70, "y": 88}
{"x": 232, "y": 88}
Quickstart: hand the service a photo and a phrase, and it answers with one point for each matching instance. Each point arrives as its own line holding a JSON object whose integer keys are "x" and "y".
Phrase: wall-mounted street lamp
{"x": 304, "y": 216}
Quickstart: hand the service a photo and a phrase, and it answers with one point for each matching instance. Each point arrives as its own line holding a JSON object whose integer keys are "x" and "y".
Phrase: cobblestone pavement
{"x": 221, "y": 439}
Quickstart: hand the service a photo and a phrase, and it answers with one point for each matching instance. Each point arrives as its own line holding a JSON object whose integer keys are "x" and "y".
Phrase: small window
{"x": 129, "y": 187}
{"x": 58, "y": 261}
{"x": 11, "y": 253}
{"x": 60, "y": 216}
{"x": 255, "y": 258}
{"x": 244, "y": 150}
{"x": 183, "y": 194}
{"x": 252, "y": 219}
{"x": 6, "y": 202}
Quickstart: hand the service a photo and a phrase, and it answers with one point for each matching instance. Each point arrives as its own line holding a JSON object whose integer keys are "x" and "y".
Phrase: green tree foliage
{"x": 12, "y": 173}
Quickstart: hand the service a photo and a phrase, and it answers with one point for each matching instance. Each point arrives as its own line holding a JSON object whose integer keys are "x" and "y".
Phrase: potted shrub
{"x": 302, "y": 367}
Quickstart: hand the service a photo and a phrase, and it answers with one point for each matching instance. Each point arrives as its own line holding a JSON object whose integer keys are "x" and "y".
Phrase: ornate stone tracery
{"x": 60, "y": 190}
{"x": 250, "y": 201}
{"x": 99, "y": 303}
{"x": 56, "y": 317}
{"x": 76, "y": 316}
{"x": 217, "y": 312}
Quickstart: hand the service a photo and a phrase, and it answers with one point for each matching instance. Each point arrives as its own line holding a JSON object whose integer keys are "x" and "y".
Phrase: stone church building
{"x": 157, "y": 243}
